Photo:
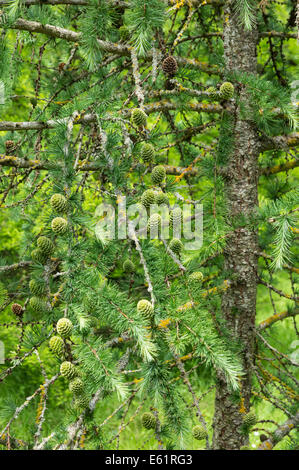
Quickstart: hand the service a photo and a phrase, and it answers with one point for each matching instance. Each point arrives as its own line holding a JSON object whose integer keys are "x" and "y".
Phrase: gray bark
{"x": 239, "y": 302}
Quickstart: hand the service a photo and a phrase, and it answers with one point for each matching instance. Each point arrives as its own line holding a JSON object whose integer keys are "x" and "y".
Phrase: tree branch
{"x": 272, "y": 170}
{"x": 89, "y": 118}
{"x": 16, "y": 162}
{"x": 282, "y": 142}
{"x": 119, "y": 49}
{"x": 280, "y": 433}
{"x": 47, "y": 29}
{"x": 13, "y": 267}
{"x": 277, "y": 291}
{"x": 277, "y": 317}
{"x": 219, "y": 34}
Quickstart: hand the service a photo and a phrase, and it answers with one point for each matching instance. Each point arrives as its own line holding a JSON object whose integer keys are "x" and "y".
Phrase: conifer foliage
{"x": 167, "y": 103}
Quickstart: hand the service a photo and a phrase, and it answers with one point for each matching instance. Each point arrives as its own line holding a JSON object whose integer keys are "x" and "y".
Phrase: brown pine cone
{"x": 169, "y": 65}
{"x": 169, "y": 84}
{"x": 17, "y": 309}
{"x": 10, "y": 146}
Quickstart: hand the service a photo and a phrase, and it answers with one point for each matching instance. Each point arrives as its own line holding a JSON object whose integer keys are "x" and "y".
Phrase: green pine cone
{"x": 250, "y": 419}
{"x": 91, "y": 302}
{"x": 81, "y": 402}
{"x": 148, "y": 420}
{"x": 213, "y": 93}
{"x": 58, "y": 203}
{"x": 147, "y": 153}
{"x": 148, "y": 198}
{"x": 139, "y": 117}
{"x": 76, "y": 386}
{"x": 38, "y": 256}
{"x": 196, "y": 276}
{"x": 45, "y": 245}
{"x": 158, "y": 174}
{"x": 56, "y": 345}
{"x": 161, "y": 198}
{"x": 226, "y": 91}
{"x": 59, "y": 225}
{"x": 154, "y": 224}
{"x": 37, "y": 305}
{"x": 128, "y": 266}
{"x": 199, "y": 433}
{"x": 64, "y": 327}
{"x": 176, "y": 246}
{"x": 124, "y": 33}
{"x": 68, "y": 370}
{"x": 36, "y": 288}
{"x": 175, "y": 217}
{"x": 145, "y": 308}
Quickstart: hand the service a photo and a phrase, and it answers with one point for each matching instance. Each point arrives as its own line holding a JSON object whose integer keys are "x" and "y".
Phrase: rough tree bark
{"x": 239, "y": 303}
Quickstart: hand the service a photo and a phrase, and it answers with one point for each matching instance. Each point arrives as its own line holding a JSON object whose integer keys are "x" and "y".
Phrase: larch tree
{"x": 116, "y": 117}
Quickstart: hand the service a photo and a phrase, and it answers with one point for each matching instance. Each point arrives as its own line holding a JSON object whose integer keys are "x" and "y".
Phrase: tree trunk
{"x": 239, "y": 302}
